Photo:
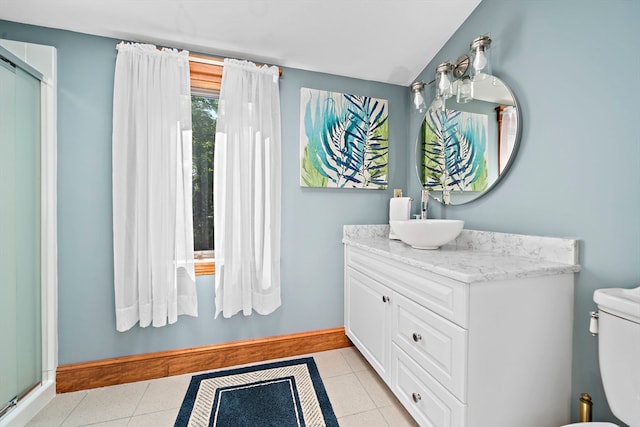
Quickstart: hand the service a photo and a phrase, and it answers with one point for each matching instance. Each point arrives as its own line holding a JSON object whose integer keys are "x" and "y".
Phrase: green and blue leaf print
{"x": 454, "y": 151}
{"x": 344, "y": 140}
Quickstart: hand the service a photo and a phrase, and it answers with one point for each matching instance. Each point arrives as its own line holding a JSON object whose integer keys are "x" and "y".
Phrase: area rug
{"x": 279, "y": 394}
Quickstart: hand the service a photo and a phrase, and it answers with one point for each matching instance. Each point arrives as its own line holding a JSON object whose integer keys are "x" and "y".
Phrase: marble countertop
{"x": 475, "y": 256}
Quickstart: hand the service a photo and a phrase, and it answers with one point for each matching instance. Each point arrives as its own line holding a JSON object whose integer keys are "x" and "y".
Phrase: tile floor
{"x": 357, "y": 394}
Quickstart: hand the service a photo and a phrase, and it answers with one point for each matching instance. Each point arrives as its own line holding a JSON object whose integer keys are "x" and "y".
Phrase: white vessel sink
{"x": 427, "y": 233}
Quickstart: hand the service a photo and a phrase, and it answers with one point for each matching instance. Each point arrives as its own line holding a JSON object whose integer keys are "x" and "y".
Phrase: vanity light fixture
{"x": 452, "y": 78}
{"x": 418, "y": 96}
{"x": 444, "y": 85}
{"x": 480, "y": 65}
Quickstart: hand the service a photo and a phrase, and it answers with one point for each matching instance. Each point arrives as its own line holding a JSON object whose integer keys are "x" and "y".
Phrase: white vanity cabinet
{"x": 491, "y": 353}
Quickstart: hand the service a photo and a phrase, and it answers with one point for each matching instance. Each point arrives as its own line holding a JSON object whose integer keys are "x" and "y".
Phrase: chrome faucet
{"x": 423, "y": 207}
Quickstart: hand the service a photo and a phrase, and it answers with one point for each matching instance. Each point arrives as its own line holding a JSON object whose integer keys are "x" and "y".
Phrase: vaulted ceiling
{"x": 387, "y": 41}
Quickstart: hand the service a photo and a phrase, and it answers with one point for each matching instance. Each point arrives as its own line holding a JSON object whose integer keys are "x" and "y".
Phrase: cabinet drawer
{"x": 425, "y": 399}
{"x": 437, "y": 345}
{"x": 447, "y": 297}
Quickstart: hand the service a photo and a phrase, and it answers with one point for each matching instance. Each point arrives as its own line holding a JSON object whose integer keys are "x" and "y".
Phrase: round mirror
{"x": 466, "y": 144}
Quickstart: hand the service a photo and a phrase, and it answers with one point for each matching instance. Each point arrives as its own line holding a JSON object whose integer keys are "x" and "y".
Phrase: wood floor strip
{"x": 121, "y": 370}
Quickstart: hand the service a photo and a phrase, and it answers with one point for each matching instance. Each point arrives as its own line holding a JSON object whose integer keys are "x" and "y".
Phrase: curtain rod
{"x": 210, "y": 60}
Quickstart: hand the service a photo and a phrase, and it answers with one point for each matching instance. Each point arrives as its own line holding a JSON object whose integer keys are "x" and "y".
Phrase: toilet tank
{"x": 619, "y": 350}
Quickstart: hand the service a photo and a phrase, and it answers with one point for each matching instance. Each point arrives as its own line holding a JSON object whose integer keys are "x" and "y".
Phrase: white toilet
{"x": 618, "y": 328}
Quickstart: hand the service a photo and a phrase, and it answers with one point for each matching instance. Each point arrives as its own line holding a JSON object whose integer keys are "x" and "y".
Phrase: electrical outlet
{"x": 397, "y": 192}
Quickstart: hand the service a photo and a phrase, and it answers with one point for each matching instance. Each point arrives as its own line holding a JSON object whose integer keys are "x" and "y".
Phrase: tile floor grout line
{"x": 86, "y": 393}
{"x": 365, "y": 388}
{"x": 139, "y": 400}
{"x": 107, "y": 421}
{"x": 377, "y": 408}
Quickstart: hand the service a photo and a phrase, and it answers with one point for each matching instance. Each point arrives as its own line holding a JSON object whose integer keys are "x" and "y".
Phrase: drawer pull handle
{"x": 417, "y": 337}
{"x": 416, "y": 397}
{"x": 385, "y": 298}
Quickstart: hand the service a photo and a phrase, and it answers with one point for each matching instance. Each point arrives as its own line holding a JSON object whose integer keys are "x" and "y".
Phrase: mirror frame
{"x": 437, "y": 194}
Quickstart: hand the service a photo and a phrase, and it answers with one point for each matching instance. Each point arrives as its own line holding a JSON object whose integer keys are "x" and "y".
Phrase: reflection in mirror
{"x": 466, "y": 144}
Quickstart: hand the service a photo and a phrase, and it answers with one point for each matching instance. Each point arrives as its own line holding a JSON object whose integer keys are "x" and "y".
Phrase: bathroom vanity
{"x": 477, "y": 333}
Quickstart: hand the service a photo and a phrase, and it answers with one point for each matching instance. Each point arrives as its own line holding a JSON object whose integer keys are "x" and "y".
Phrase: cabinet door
{"x": 367, "y": 311}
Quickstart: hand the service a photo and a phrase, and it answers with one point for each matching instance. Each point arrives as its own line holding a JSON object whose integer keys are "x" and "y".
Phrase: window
{"x": 206, "y": 77}
{"x": 205, "y": 86}
{"x": 204, "y": 114}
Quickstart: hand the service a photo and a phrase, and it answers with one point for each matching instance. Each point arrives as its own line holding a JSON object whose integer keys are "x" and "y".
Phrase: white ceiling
{"x": 381, "y": 40}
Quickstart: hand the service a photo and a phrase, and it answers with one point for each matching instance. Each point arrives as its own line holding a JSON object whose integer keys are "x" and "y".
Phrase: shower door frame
{"x": 39, "y": 396}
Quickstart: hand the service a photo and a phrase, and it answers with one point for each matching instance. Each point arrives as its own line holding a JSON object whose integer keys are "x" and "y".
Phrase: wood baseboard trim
{"x": 121, "y": 370}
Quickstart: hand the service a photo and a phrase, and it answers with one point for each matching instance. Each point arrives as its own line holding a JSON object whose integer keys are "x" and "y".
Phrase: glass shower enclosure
{"x": 20, "y": 231}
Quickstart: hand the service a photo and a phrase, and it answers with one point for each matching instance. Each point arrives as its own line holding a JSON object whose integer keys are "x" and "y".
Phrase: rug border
{"x": 323, "y": 398}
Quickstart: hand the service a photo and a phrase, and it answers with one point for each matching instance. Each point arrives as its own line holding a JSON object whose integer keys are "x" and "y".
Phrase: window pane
{"x": 204, "y": 114}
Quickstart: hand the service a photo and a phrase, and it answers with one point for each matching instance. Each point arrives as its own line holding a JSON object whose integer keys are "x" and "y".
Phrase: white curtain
{"x": 509, "y": 128}
{"x": 247, "y": 190}
{"x": 154, "y": 274}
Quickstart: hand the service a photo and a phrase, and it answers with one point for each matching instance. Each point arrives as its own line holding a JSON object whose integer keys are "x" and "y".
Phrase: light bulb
{"x": 418, "y": 101}
{"x": 445, "y": 83}
{"x": 465, "y": 90}
{"x": 437, "y": 104}
{"x": 480, "y": 60}
{"x": 480, "y": 66}
{"x": 418, "y": 97}
{"x": 444, "y": 87}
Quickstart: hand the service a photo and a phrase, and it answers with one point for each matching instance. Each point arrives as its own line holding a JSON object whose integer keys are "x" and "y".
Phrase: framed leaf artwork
{"x": 344, "y": 140}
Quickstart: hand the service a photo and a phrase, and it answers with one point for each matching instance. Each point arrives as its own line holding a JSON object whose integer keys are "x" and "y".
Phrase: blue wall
{"x": 573, "y": 64}
{"x": 312, "y": 218}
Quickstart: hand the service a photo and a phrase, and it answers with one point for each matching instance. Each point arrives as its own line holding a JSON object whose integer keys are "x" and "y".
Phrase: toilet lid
{"x": 624, "y": 303}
